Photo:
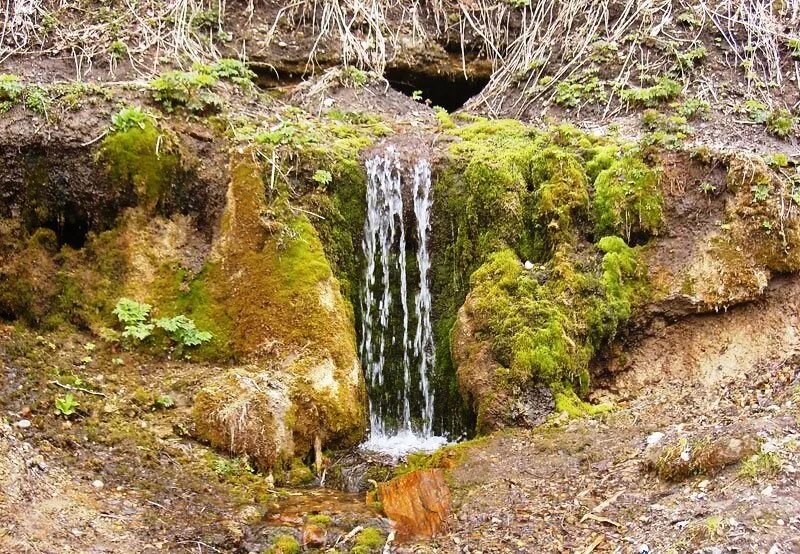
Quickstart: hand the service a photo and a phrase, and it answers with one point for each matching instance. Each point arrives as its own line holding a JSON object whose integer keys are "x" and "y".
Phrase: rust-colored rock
{"x": 418, "y": 503}
{"x": 314, "y": 536}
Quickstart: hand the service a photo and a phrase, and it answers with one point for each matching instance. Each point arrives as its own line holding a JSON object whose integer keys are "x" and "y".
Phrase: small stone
{"x": 314, "y": 536}
{"x": 97, "y": 483}
{"x": 282, "y": 44}
{"x": 767, "y": 491}
{"x": 23, "y": 423}
{"x": 528, "y": 265}
{"x": 703, "y": 485}
{"x": 654, "y": 438}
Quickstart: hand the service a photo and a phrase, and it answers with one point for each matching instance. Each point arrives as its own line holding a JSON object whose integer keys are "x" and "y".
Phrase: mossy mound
{"x": 537, "y": 219}
{"x": 271, "y": 279}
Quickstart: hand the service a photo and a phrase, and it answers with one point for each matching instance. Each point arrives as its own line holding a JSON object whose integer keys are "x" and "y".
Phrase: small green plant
{"x": 230, "y": 467}
{"x": 134, "y": 317}
{"x": 190, "y": 89}
{"x": 756, "y": 110}
{"x": 368, "y": 541}
{"x": 66, "y": 405}
{"x": 780, "y": 123}
{"x": 692, "y": 58}
{"x": 664, "y": 90}
{"x": 231, "y": 70}
{"x": 183, "y": 330}
{"x": 163, "y": 402}
{"x": 572, "y": 93}
{"x": 794, "y": 47}
{"x": 10, "y": 88}
{"x": 416, "y": 96}
{"x": 760, "y": 192}
{"x": 689, "y": 18}
{"x": 129, "y": 117}
{"x": 322, "y": 177}
{"x": 695, "y": 108}
{"x": 117, "y": 49}
{"x": 353, "y": 77}
{"x": 36, "y": 100}
{"x": 604, "y": 51}
{"x": 763, "y": 464}
{"x": 707, "y": 187}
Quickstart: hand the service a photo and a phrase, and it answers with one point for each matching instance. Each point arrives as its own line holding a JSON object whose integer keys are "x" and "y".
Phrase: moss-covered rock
{"x": 522, "y": 210}
{"x": 271, "y": 279}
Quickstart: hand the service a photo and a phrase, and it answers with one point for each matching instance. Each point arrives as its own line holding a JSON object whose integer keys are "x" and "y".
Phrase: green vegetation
{"x": 193, "y": 89}
{"x": 230, "y": 467}
{"x": 585, "y": 89}
{"x": 138, "y": 326}
{"x": 780, "y": 123}
{"x": 130, "y": 117}
{"x": 568, "y": 402}
{"x": 664, "y": 90}
{"x": 368, "y": 541}
{"x": 694, "y": 108}
{"x": 627, "y": 199}
{"x": 66, "y": 405}
{"x": 283, "y": 544}
{"x": 761, "y": 465}
{"x": 794, "y": 47}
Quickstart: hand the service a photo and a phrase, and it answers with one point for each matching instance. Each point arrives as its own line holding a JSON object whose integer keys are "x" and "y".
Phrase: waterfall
{"x": 397, "y": 365}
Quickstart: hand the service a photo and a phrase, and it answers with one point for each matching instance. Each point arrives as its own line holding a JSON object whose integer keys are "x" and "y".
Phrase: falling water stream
{"x": 397, "y": 347}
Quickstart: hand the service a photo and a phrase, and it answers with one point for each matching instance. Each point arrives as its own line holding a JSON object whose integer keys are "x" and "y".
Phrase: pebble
{"x": 23, "y": 423}
{"x": 97, "y": 483}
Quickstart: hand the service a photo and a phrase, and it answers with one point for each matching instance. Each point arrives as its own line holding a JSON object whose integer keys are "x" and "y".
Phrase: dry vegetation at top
{"x": 517, "y": 37}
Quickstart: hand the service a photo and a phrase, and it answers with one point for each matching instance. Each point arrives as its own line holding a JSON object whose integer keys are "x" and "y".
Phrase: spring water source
{"x": 397, "y": 348}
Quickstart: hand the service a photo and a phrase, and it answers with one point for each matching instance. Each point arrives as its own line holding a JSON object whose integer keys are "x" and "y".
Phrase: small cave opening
{"x": 446, "y": 91}
{"x": 70, "y": 226}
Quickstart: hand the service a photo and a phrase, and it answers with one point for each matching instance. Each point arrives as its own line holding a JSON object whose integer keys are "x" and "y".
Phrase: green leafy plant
{"x": 130, "y": 117}
{"x": 229, "y": 467}
{"x": 66, "y": 405}
{"x": 190, "y": 89}
{"x": 571, "y": 93}
{"x": 183, "y": 330}
{"x": 756, "y": 110}
{"x": 10, "y": 88}
{"x": 691, "y": 58}
{"x": 664, "y": 90}
{"x": 134, "y": 318}
{"x": 322, "y": 177}
{"x": 416, "y": 95}
{"x": 163, "y": 402}
{"x": 353, "y": 77}
{"x": 231, "y": 70}
{"x": 760, "y": 192}
{"x": 780, "y": 123}
{"x": 36, "y": 100}
{"x": 695, "y": 108}
{"x": 794, "y": 47}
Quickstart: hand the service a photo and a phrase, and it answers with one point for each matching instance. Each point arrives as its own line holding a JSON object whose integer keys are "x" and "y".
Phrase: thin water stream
{"x": 397, "y": 346}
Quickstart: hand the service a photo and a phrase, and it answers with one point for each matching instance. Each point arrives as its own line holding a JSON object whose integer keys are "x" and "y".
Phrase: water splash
{"x": 397, "y": 366}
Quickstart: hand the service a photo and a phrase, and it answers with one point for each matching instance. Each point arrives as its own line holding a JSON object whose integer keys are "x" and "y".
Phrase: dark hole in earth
{"x": 70, "y": 226}
{"x": 445, "y": 91}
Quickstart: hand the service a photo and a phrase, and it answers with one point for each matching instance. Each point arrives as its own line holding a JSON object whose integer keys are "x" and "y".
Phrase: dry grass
{"x": 519, "y": 40}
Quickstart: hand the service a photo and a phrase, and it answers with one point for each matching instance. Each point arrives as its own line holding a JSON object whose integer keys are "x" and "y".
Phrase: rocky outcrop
{"x": 418, "y": 503}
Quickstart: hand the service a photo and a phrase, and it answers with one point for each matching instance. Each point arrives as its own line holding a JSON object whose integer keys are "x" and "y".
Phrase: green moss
{"x": 663, "y": 90}
{"x": 569, "y": 402}
{"x": 323, "y": 520}
{"x": 141, "y": 158}
{"x": 627, "y": 199}
{"x": 283, "y": 544}
{"x": 368, "y": 541}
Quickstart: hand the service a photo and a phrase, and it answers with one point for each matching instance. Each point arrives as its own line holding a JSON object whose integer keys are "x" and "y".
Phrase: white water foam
{"x": 402, "y": 443}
